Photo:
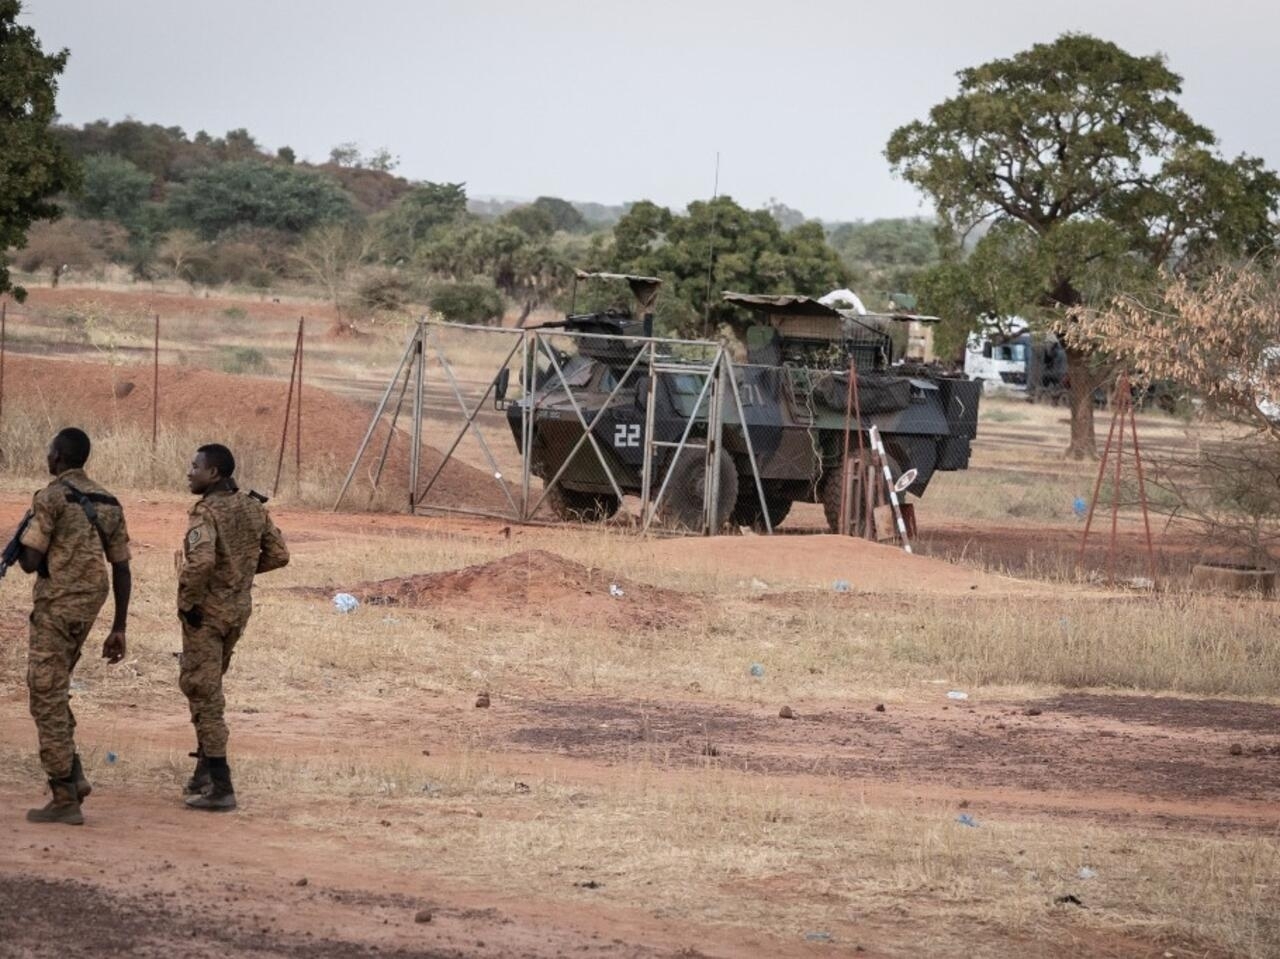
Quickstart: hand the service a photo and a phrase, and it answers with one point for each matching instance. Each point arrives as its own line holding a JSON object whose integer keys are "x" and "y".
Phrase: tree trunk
{"x": 1084, "y": 380}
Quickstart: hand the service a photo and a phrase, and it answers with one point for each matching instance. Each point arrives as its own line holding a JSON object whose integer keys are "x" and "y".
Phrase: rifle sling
{"x": 87, "y": 501}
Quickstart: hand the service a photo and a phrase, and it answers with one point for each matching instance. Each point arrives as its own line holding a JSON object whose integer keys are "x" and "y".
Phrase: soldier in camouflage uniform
{"x": 230, "y": 538}
{"x": 73, "y": 522}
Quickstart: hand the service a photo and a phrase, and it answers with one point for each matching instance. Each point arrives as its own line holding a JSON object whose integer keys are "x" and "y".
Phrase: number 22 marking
{"x": 626, "y": 435}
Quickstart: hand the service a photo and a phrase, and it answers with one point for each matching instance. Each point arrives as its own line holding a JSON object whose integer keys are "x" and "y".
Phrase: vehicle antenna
{"x": 711, "y": 251}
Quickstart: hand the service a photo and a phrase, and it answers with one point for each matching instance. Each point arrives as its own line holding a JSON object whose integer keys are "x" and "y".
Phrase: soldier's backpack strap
{"x": 87, "y": 501}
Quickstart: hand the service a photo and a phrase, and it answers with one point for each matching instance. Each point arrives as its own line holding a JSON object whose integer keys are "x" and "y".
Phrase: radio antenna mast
{"x": 711, "y": 251}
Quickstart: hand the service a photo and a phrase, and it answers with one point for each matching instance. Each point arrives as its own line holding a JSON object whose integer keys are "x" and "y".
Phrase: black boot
{"x": 199, "y": 780}
{"x": 83, "y": 786}
{"x": 220, "y": 796}
{"x": 64, "y": 807}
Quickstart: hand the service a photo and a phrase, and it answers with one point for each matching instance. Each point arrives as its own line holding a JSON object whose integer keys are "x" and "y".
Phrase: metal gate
{"x": 516, "y": 400}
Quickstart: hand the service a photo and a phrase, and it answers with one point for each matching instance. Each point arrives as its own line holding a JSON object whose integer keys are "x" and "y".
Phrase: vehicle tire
{"x": 576, "y": 506}
{"x": 747, "y": 512}
{"x": 830, "y": 491}
{"x": 681, "y": 506}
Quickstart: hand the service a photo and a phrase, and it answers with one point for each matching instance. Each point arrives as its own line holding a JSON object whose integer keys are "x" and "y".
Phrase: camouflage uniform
{"x": 66, "y": 601}
{"x": 230, "y": 537}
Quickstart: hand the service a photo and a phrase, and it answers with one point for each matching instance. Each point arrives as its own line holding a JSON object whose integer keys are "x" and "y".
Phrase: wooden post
{"x": 155, "y": 389}
{"x": 288, "y": 408}
{"x": 4, "y": 319}
{"x": 846, "y": 479}
{"x": 297, "y": 433}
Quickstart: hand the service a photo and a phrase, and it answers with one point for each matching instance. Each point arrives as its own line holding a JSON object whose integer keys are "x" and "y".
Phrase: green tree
{"x": 345, "y": 154}
{"x": 887, "y": 244}
{"x": 1091, "y": 178}
{"x": 533, "y": 220}
{"x": 113, "y": 188}
{"x": 517, "y": 264}
{"x": 720, "y": 242}
{"x": 564, "y": 215}
{"x": 34, "y": 164}
{"x": 788, "y": 217}
{"x": 420, "y": 212}
{"x": 255, "y": 194}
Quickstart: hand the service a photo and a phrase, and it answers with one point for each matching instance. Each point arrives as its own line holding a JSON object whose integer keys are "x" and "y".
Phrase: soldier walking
{"x": 230, "y": 537}
{"x": 73, "y": 522}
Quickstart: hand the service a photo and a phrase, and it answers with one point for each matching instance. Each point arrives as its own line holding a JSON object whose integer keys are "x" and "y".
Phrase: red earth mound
{"x": 539, "y": 585}
{"x": 250, "y": 409}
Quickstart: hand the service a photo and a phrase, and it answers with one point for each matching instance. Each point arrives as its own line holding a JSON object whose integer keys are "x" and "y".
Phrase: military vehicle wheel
{"x": 681, "y": 506}
{"x": 747, "y": 512}
{"x": 576, "y": 506}
{"x": 831, "y": 495}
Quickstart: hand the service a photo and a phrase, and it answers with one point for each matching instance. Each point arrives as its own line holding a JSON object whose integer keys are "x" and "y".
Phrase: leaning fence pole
{"x": 297, "y": 432}
{"x": 746, "y": 436}
{"x": 4, "y": 320}
{"x": 415, "y": 440}
{"x": 842, "y": 524}
{"x": 155, "y": 388}
{"x": 1097, "y": 488}
{"x": 373, "y": 423}
{"x": 1122, "y": 396}
{"x": 391, "y": 434}
{"x": 288, "y": 408}
{"x": 1142, "y": 496}
{"x": 857, "y": 414}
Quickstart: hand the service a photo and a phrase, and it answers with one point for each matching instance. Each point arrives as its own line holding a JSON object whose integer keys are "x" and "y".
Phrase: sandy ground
{"x": 145, "y": 877}
{"x": 142, "y": 882}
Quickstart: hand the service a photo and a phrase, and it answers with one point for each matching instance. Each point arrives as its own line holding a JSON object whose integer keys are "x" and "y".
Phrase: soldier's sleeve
{"x": 274, "y": 553}
{"x": 46, "y": 506}
{"x": 118, "y": 542}
{"x": 198, "y": 557}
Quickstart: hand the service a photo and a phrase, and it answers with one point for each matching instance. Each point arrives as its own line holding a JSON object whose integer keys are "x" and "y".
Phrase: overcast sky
{"x": 612, "y": 101}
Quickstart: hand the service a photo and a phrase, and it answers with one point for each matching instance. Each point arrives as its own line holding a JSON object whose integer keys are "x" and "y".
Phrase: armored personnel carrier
{"x": 793, "y": 388}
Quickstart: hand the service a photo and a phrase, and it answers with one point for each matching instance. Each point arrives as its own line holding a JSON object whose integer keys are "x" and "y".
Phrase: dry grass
{"x": 123, "y": 457}
{"x": 712, "y": 846}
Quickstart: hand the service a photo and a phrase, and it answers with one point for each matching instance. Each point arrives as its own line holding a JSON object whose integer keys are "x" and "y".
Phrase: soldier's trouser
{"x": 206, "y": 654}
{"x": 52, "y": 654}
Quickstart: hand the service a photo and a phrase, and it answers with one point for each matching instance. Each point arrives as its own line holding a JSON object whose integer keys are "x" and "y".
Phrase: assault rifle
{"x": 14, "y": 547}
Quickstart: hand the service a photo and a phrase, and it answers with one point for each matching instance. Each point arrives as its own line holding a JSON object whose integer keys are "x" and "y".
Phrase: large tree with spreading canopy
{"x": 1088, "y": 179}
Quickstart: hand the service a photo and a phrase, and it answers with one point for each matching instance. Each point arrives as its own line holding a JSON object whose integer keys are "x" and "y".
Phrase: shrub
{"x": 385, "y": 290}
{"x": 467, "y": 303}
{"x": 243, "y": 359}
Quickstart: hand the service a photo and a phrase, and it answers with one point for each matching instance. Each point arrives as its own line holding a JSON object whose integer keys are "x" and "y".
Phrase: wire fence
{"x": 154, "y": 376}
{"x": 551, "y": 424}
{"x": 548, "y": 424}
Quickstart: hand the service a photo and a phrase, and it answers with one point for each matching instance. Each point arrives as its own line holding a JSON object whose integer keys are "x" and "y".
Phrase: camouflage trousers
{"x": 206, "y": 654}
{"x": 52, "y": 654}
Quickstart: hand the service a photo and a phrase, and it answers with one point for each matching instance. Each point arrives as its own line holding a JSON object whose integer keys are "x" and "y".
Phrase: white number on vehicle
{"x": 625, "y": 434}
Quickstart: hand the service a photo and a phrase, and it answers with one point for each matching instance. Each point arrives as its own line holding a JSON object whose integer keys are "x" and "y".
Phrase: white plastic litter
{"x": 957, "y": 694}
{"x": 616, "y": 591}
{"x": 345, "y": 602}
{"x": 1087, "y": 873}
{"x": 841, "y": 586}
